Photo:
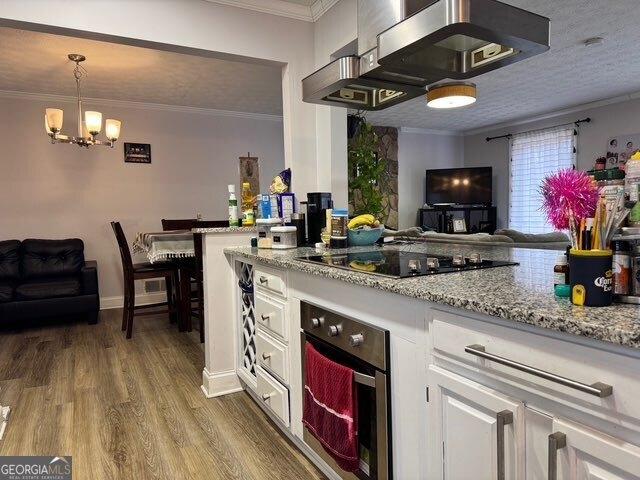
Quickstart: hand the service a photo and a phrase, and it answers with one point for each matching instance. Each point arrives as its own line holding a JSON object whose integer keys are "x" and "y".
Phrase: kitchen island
{"x": 486, "y": 366}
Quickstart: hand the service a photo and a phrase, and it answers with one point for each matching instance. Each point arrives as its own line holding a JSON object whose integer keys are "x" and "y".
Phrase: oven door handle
{"x": 363, "y": 379}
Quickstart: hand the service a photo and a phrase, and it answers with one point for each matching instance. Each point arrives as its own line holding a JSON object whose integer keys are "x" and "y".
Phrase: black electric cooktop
{"x": 403, "y": 264}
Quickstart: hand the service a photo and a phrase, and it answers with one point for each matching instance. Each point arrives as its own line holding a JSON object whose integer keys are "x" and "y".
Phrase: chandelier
{"x": 89, "y": 127}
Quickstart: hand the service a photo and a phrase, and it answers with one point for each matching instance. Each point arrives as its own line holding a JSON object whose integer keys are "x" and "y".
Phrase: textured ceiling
{"x": 569, "y": 74}
{"x": 37, "y": 63}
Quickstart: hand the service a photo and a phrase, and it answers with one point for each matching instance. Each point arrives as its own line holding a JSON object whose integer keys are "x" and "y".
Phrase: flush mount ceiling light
{"x": 451, "y": 95}
{"x": 89, "y": 127}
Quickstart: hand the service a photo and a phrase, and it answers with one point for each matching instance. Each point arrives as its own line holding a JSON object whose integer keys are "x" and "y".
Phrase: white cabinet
{"x": 586, "y": 454}
{"x": 476, "y": 432}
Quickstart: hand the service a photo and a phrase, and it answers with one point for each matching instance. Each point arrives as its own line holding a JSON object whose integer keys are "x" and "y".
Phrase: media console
{"x": 477, "y": 218}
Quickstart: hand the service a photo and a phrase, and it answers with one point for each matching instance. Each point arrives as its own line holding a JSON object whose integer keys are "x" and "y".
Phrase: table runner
{"x": 161, "y": 246}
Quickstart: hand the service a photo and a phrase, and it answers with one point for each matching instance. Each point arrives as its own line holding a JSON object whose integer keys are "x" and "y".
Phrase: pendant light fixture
{"x": 89, "y": 126}
{"x": 451, "y": 95}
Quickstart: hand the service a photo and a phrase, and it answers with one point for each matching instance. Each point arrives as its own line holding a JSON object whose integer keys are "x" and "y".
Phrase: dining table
{"x": 165, "y": 246}
{"x": 176, "y": 246}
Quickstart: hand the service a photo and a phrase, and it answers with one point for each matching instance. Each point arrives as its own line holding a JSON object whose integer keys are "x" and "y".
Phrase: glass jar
{"x": 621, "y": 267}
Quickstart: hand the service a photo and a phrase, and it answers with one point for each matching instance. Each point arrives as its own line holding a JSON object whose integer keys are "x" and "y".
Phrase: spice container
{"x": 339, "y": 221}
{"x": 264, "y": 226}
{"x": 621, "y": 267}
{"x": 560, "y": 270}
{"x": 635, "y": 271}
{"x": 284, "y": 237}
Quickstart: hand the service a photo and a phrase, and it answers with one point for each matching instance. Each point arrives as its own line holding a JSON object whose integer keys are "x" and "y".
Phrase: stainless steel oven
{"x": 364, "y": 348}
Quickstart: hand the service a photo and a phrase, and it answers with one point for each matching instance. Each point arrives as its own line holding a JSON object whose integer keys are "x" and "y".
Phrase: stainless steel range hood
{"x": 405, "y": 45}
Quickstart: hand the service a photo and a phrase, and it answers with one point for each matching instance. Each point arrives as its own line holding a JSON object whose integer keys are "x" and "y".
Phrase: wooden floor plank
{"x": 133, "y": 409}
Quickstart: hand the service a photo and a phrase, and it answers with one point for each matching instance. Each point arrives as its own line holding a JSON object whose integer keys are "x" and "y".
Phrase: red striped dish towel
{"x": 331, "y": 408}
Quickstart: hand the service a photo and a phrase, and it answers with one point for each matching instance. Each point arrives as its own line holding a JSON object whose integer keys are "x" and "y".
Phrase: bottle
{"x": 635, "y": 271}
{"x": 560, "y": 270}
{"x": 634, "y": 214}
{"x": 339, "y": 220}
{"x": 233, "y": 207}
{"x": 632, "y": 178}
{"x": 248, "y": 216}
{"x": 621, "y": 267}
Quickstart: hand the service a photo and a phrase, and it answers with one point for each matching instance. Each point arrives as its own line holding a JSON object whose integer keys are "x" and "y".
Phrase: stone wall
{"x": 388, "y": 149}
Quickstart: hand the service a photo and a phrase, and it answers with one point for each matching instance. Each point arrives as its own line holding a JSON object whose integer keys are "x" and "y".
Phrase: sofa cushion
{"x": 47, "y": 258}
{"x": 10, "y": 260}
{"x": 6, "y": 292}
{"x": 520, "y": 237}
{"x": 48, "y": 288}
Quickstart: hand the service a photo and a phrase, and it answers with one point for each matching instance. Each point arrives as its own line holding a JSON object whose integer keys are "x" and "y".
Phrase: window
{"x": 534, "y": 155}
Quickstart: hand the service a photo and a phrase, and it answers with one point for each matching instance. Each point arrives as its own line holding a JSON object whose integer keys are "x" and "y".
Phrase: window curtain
{"x": 534, "y": 155}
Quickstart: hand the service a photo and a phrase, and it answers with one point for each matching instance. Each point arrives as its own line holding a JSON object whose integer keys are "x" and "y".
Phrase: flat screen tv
{"x": 459, "y": 186}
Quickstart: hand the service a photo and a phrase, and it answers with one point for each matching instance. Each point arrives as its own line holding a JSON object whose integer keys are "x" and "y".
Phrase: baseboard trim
{"x": 107, "y": 303}
{"x": 220, "y": 383}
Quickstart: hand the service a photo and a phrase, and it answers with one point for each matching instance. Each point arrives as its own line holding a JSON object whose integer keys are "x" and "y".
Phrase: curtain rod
{"x": 510, "y": 135}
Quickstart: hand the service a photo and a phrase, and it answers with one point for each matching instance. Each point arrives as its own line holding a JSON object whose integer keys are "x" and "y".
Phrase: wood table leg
{"x": 184, "y": 300}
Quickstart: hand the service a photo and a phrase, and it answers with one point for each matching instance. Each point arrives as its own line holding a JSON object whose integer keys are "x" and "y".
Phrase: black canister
{"x": 591, "y": 277}
{"x": 298, "y": 221}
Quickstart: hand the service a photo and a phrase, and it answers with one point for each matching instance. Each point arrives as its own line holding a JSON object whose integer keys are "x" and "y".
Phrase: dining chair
{"x": 194, "y": 269}
{"x": 140, "y": 271}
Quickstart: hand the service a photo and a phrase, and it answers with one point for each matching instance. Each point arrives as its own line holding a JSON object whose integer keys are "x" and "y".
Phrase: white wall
{"x": 418, "y": 151}
{"x": 61, "y": 191}
{"x": 196, "y": 26}
{"x": 607, "y": 121}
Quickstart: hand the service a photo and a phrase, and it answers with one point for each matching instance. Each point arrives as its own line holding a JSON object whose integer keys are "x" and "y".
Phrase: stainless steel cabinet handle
{"x": 267, "y": 396}
{"x": 557, "y": 441}
{"x": 503, "y": 418}
{"x": 598, "y": 389}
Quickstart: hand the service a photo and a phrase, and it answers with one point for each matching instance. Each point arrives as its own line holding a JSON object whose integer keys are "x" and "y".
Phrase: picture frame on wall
{"x": 620, "y": 149}
{"x": 137, "y": 152}
{"x": 459, "y": 225}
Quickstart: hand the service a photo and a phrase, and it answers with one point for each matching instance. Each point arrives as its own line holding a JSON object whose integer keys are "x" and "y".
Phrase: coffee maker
{"x": 317, "y": 204}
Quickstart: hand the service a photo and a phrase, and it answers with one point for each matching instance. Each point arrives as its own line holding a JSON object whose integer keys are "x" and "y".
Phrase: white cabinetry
{"x": 508, "y": 404}
{"x": 586, "y": 454}
{"x": 477, "y": 432}
{"x": 265, "y": 361}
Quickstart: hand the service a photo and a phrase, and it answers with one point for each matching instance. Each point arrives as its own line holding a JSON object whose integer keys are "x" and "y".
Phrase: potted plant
{"x": 367, "y": 173}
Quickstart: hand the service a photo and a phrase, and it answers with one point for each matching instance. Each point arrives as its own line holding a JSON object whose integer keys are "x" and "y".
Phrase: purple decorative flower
{"x": 568, "y": 194}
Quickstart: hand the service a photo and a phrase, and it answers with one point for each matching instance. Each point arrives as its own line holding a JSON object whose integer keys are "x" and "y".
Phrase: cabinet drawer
{"x": 272, "y": 281}
{"x": 529, "y": 356}
{"x": 273, "y": 394}
{"x": 273, "y": 355}
{"x": 270, "y": 314}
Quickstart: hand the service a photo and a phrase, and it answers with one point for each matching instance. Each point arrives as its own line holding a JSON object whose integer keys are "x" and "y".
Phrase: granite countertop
{"x": 522, "y": 293}
{"x": 224, "y": 230}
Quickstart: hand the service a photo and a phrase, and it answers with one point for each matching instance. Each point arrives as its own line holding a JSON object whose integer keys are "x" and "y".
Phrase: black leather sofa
{"x": 47, "y": 278}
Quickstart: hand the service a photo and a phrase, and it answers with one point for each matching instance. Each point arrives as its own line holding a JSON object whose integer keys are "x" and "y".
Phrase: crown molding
{"x": 140, "y": 105}
{"x": 430, "y": 131}
{"x": 320, "y": 7}
{"x": 282, "y": 8}
{"x": 555, "y": 114}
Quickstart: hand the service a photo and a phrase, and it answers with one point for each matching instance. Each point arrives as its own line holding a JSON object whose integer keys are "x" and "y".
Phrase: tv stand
{"x": 478, "y": 218}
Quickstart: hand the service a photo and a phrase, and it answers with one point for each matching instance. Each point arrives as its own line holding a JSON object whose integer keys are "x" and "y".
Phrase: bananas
{"x": 362, "y": 221}
{"x": 363, "y": 267}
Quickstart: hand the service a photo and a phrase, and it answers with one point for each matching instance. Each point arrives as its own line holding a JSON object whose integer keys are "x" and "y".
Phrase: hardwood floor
{"x": 133, "y": 409}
